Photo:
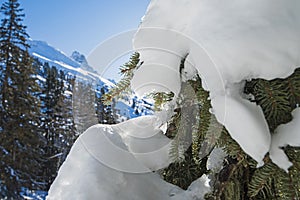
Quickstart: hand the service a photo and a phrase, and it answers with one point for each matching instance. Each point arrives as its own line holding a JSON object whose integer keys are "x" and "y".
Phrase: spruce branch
{"x": 123, "y": 86}
{"x": 262, "y": 179}
{"x": 277, "y": 97}
{"x": 271, "y": 96}
{"x": 160, "y": 98}
{"x": 292, "y": 83}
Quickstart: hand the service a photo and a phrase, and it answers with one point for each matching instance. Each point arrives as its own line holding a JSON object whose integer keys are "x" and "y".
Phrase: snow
{"x": 286, "y": 134}
{"x": 215, "y": 160}
{"x": 159, "y": 82}
{"x": 226, "y": 43}
{"x": 41, "y": 57}
{"x": 146, "y": 142}
{"x": 244, "y": 121}
{"x": 31, "y": 194}
{"x": 68, "y": 93}
{"x": 46, "y": 53}
{"x": 40, "y": 78}
{"x": 125, "y": 109}
{"x": 116, "y": 161}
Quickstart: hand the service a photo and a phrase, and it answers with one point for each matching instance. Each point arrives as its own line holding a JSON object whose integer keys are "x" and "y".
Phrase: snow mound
{"x": 226, "y": 43}
{"x": 105, "y": 163}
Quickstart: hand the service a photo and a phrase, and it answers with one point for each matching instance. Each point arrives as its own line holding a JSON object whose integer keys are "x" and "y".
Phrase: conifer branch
{"x": 123, "y": 86}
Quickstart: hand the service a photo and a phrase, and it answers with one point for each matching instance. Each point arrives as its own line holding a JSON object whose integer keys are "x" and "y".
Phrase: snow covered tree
{"x": 238, "y": 177}
{"x": 20, "y": 136}
{"x": 240, "y": 126}
{"x": 233, "y": 47}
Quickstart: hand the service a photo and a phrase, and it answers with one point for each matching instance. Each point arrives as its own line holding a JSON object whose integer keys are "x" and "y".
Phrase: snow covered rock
{"x": 227, "y": 43}
{"x": 105, "y": 163}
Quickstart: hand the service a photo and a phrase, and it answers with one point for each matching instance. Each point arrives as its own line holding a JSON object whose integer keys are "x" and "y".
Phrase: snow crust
{"x": 226, "y": 43}
{"x": 110, "y": 162}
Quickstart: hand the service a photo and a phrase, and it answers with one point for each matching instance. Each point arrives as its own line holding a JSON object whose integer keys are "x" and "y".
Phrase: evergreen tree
{"x": 84, "y": 106}
{"x": 52, "y": 90}
{"x": 239, "y": 177}
{"x": 105, "y": 113}
{"x": 67, "y": 129}
{"x": 200, "y": 133}
{"x": 56, "y": 122}
{"x": 20, "y": 138}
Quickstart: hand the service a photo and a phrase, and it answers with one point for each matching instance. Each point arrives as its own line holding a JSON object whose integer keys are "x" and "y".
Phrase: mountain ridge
{"x": 77, "y": 65}
{"x": 44, "y": 52}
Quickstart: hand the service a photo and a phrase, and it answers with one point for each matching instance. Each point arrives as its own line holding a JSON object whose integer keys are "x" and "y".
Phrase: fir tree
{"x": 84, "y": 106}
{"x": 105, "y": 113}
{"x": 239, "y": 178}
{"x": 20, "y": 138}
{"x": 57, "y": 121}
{"x": 52, "y": 90}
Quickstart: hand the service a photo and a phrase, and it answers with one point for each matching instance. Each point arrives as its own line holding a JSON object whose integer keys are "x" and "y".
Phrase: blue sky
{"x": 80, "y": 25}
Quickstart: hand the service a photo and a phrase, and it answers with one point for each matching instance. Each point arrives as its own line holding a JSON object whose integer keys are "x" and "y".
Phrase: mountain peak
{"x": 78, "y": 57}
{"x": 81, "y": 59}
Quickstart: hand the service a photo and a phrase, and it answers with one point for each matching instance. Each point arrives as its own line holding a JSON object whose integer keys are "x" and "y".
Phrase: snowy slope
{"x": 46, "y": 53}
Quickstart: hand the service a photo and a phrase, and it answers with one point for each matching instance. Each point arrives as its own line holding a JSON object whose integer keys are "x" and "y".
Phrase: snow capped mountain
{"x": 43, "y": 50}
{"x": 80, "y": 58}
{"x": 76, "y": 64}
{"x": 77, "y": 56}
